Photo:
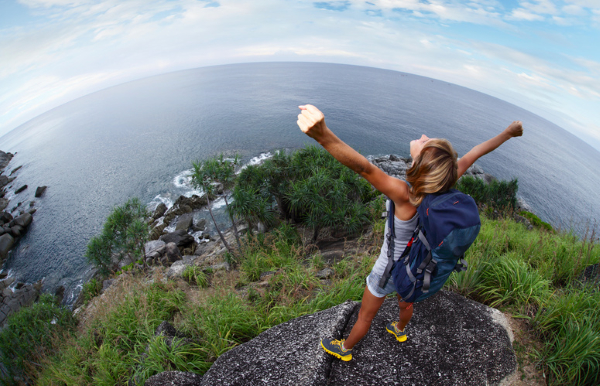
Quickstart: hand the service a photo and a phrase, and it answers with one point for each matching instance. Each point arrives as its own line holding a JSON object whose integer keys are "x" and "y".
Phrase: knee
{"x": 366, "y": 317}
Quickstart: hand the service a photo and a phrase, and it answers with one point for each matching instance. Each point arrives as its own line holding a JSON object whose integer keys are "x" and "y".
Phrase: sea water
{"x": 139, "y": 139}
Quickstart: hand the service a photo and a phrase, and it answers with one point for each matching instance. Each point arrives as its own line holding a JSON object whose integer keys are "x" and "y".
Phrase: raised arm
{"x": 515, "y": 129}
{"x": 312, "y": 123}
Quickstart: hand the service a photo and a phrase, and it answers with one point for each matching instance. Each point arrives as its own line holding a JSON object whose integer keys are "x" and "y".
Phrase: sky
{"x": 542, "y": 55}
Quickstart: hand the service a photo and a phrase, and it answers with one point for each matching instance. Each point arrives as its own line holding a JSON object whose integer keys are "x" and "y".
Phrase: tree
{"x": 208, "y": 175}
{"x": 124, "y": 231}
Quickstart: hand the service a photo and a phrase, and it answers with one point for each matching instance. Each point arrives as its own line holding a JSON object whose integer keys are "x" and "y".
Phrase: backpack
{"x": 447, "y": 226}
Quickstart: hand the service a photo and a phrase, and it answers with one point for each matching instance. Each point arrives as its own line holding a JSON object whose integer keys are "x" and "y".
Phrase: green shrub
{"x": 498, "y": 196}
{"x": 308, "y": 186}
{"x": 536, "y": 221}
{"x": 124, "y": 231}
{"x": 194, "y": 275}
{"x": 31, "y": 334}
{"x": 91, "y": 289}
{"x": 508, "y": 280}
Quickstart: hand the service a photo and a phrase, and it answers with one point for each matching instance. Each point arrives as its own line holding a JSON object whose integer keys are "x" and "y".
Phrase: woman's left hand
{"x": 312, "y": 122}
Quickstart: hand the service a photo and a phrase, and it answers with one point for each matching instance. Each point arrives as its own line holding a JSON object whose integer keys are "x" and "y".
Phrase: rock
{"x": 152, "y": 246}
{"x": 174, "y": 378}
{"x": 17, "y": 231}
{"x": 302, "y": 363}
{"x": 197, "y": 202}
{"x": 590, "y": 275}
{"x": 157, "y": 231}
{"x": 4, "y": 159}
{"x": 159, "y": 211}
{"x": 3, "y": 203}
{"x": 6, "y": 217}
{"x": 16, "y": 169}
{"x": 184, "y": 222}
{"x": 6, "y": 243}
{"x": 451, "y": 341}
{"x": 200, "y": 225}
{"x": 23, "y": 220}
{"x": 203, "y": 248}
{"x": 219, "y": 267}
{"x": 60, "y": 294}
{"x": 177, "y": 268}
{"x": 3, "y": 181}
{"x": 39, "y": 191}
{"x": 32, "y": 211}
{"x": 172, "y": 252}
{"x": 22, "y": 188}
{"x": 524, "y": 221}
{"x": 6, "y": 283}
{"x": 325, "y": 273}
{"x": 180, "y": 237}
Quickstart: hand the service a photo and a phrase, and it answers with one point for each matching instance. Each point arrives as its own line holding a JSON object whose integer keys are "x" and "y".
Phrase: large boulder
{"x": 451, "y": 341}
{"x": 287, "y": 354}
{"x": 178, "y": 378}
{"x": 23, "y": 220}
{"x": 159, "y": 211}
{"x": 184, "y": 222}
{"x": 6, "y": 243}
{"x": 40, "y": 191}
{"x": 4, "y": 159}
{"x": 180, "y": 237}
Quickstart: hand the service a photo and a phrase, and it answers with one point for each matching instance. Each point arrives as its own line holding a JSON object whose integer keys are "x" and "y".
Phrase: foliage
{"x": 308, "y": 186}
{"x": 536, "y": 221}
{"x": 500, "y": 196}
{"x": 194, "y": 275}
{"x": 91, "y": 289}
{"x": 124, "y": 231}
{"x": 30, "y": 334}
{"x": 208, "y": 175}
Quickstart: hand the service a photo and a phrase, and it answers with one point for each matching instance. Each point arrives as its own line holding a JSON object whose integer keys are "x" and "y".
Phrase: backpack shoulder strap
{"x": 389, "y": 237}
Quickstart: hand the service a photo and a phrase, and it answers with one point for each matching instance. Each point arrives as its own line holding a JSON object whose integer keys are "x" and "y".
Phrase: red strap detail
{"x": 455, "y": 203}
{"x": 409, "y": 306}
{"x": 410, "y": 242}
{"x": 427, "y": 211}
{"x": 441, "y": 243}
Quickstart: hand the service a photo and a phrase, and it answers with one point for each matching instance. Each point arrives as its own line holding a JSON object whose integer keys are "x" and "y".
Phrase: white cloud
{"x": 524, "y": 14}
{"x": 83, "y": 48}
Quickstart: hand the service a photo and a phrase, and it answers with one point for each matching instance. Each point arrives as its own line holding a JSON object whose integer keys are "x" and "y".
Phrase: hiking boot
{"x": 335, "y": 348}
{"x": 393, "y": 329}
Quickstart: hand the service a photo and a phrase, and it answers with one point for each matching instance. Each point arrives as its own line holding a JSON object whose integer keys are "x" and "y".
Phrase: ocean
{"x": 139, "y": 139}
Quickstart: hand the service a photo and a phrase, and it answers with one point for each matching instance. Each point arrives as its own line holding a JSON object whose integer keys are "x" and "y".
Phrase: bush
{"x": 536, "y": 221}
{"x": 124, "y": 231}
{"x": 498, "y": 196}
{"x": 91, "y": 289}
{"x": 194, "y": 275}
{"x": 309, "y": 186}
{"x": 31, "y": 334}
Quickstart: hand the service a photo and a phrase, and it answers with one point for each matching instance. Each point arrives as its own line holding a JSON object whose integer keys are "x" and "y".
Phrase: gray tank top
{"x": 404, "y": 230}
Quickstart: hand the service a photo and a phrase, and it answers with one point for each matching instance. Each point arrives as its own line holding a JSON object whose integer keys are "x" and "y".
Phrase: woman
{"x": 435, "y": 168}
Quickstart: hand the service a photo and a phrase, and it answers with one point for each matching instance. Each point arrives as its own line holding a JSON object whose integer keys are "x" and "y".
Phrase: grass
{"x": 530, "y": 274}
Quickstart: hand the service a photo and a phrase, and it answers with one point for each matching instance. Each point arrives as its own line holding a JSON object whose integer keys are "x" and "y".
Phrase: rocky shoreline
{"x": 188, "y": 244}
{"x": 13, "y": 225}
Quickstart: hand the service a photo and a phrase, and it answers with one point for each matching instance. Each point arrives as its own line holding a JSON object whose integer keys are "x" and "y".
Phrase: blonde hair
{"x": 434, "y": 170}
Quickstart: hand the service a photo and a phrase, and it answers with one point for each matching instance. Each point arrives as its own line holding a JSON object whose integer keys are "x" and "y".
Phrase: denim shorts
{"x": 373, "y": 285}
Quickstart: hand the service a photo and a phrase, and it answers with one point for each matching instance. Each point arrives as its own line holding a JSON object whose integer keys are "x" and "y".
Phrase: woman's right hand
{"x": 515, "y": 129}
{"x": 312, "y": 122}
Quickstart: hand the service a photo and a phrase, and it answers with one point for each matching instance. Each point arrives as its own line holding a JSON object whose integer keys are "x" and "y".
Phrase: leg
{"x": 368, "y": 309}
{"x": 406, "y": 313}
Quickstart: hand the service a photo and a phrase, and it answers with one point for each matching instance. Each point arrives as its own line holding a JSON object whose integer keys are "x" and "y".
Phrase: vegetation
{"x": 497, "y": 196}
{"x": 534, "y": 275}
{"x": 308, "y": 187}
{"x": 124, "y": 232}
{"x": 209, "y": 175}
{"x": 31, "y": 335}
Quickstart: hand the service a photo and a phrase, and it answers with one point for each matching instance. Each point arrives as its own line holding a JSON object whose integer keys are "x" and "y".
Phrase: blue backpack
{"x": 447, "y": 226}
